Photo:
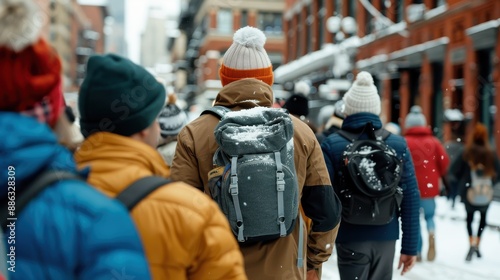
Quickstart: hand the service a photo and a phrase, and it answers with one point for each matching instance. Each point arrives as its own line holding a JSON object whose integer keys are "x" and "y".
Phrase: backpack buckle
{"x": 281, "y": 223}
{"x": 280, "y": 181}
{"x": 233, "y": 187}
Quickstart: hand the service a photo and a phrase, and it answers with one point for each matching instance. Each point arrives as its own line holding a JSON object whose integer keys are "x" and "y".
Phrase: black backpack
{"x": 129, "y": 197}
{"x": 369, "y": 186}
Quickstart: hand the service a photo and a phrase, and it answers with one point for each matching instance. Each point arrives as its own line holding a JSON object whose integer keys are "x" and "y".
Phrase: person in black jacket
{"x": 479, "y": 157}
{"x": 454, "y": 147}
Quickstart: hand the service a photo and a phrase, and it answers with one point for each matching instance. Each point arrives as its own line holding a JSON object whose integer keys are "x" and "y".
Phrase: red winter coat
{"x": 429, "y": 158}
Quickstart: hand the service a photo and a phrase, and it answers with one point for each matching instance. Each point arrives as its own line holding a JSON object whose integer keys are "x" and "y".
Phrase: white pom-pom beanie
{"x": 247, "y": 58}
{"x": 415, "y": 118}
{"x": 362, "y": 96}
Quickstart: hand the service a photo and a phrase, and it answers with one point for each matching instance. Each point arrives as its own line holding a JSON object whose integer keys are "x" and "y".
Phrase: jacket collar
{"x": 245, "y": 94}
{"x": 30, "y": 147}
{"x": 356, "y": 122}
{"x": 418, "y": 130}
{"x": 113, "y": 147}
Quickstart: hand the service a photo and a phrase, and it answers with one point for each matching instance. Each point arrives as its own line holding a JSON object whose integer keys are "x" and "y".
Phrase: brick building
{"x": 207, "y": 28}
{"x": 439, "y": 54}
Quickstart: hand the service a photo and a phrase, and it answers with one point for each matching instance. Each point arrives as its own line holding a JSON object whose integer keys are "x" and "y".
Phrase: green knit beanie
{"x": 118, "y": 96}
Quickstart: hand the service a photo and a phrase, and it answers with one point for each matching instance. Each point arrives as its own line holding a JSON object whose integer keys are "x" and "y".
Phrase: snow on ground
{"x": 452, "y": 245}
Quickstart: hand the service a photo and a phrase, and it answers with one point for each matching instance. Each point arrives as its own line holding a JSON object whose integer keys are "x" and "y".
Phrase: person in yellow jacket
{"x": 185, "y": 235}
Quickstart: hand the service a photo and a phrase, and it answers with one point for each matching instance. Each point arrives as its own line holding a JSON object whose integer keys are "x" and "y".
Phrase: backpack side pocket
{"x": 215, "y": 181}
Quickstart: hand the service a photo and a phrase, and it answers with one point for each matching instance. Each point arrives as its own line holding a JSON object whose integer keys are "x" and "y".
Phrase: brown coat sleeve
{"x": 193, "y": 158}
{"x": 318, "y": 200}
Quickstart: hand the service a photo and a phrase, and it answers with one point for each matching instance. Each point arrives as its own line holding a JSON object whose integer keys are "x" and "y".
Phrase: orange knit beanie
{"x": 247, "y": 58}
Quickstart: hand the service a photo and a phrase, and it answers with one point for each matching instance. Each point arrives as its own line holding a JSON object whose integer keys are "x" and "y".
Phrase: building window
{"x": 299, "y": 30}
{"x": 338, "y": 7}
{"x": 309, "y": 35}
{"x": 225, "y": 21}
{"x": 321, "y": 23}
{"x": 369, "y": 21}
{"x": 270, "y": 23}
{"x": 383, "y": 7}
{"x": 291, "y": 37}
{"x": 244, "y": 18}
{"x": 205, "y": 23}
{"x": 437, "y": 3}
{"x": 352, "y": 8}
{"x": 400, "y": 8}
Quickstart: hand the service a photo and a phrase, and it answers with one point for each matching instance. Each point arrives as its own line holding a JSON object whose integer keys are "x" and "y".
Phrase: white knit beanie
{"x": 362, "y": 96}
{"x": 415, "y": 118}
{"x": 246, "y": 58}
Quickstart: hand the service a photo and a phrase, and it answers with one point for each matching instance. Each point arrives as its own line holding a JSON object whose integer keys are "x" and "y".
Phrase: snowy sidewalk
{"x": 452, "y": 245}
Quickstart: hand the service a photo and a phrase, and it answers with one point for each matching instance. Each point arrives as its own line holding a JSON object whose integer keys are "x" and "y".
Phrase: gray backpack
{"x": 480, "y": 191}
{"x": 253, "y": 179}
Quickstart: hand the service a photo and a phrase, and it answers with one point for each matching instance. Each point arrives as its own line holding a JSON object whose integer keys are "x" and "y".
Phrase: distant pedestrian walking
{"x": 476, "y": 172}
{"x": 431, "y": 164}
{"x": 454, "y": 147}
{"x": 366, "y": 251}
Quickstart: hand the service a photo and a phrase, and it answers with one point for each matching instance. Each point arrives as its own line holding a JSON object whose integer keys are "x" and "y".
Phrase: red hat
{"x": 31, "y": 71}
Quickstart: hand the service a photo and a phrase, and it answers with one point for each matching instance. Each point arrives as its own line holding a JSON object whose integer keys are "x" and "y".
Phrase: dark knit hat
{"x": 298, "y": 103}
{"x": 172, "y": 119}
{"x": 118, "y": 96}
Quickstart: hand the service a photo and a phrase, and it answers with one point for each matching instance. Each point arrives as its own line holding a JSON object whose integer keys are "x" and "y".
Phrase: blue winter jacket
{"x": 334, "y": 146}
{"x": 70, "y": 230}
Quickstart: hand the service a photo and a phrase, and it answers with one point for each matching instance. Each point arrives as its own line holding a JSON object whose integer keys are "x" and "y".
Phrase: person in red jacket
{"x": 431, "y": 163}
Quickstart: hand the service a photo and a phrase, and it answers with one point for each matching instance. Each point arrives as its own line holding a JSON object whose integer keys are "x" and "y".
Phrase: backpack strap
{"x": 233, "y": 190}
{"x": 37, "y": 185}
{"x": 139, "y": 189}
{"x": 300, "y": 259}
{"x": 351, "y": 137}
{"x": 280, "y": 187}
{"x": 382, "y": 133}
{"x": 217, "y": 111}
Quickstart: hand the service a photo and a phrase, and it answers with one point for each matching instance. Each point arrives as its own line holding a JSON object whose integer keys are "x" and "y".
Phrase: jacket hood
{"x": 419, "y": 130}
{"x": 245, "y": 94}
{"x": 29, "y": 147}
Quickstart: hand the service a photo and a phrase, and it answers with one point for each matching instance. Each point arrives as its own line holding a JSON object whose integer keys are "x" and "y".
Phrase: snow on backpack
{"x": 369, "y": 185}
{"x": 253, "y": 179}
{"x": 480, "y": 192}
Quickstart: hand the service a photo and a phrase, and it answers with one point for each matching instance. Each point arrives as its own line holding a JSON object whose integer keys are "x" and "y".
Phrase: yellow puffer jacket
{"x": 185, "y": 235}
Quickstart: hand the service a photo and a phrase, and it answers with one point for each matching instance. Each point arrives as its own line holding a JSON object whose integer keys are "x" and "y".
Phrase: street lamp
{"x": 340, "y": 26}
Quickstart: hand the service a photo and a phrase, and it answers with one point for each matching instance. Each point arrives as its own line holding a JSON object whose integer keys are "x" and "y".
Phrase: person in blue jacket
{"x": 69, "y": 230}
{"x": 367, "y": 251}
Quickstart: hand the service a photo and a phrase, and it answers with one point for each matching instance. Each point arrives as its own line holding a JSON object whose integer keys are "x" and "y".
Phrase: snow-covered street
{"x": 452, "y": 245}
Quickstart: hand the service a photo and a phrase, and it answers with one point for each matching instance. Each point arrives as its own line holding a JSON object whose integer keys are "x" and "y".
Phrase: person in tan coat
{"x": 185, "y": 235}
{"x": 246, "y": 74}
